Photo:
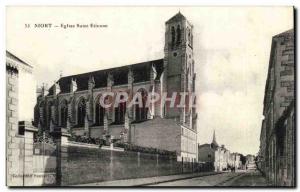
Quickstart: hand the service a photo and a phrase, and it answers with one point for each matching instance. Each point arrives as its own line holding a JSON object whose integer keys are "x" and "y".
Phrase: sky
{"x": 231, "y": 53}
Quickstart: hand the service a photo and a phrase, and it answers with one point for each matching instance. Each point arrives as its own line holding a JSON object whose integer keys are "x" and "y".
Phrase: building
{"x": 74, "y": 102}
{"x": 206, "y": 152}
{"x": 236, "y": 160}
{"x": 218, "y": 157}
{"x": 17, "y": 94}
{"x": 250, "y": 162}
{"x": 276, "y": 157}
{"x": 221, "y": 158}
{"x": 261, "y": 164}
{"x": 250, "y": 158}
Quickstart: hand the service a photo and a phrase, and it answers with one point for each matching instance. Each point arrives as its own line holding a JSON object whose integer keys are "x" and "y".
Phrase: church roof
{"x": 141, "y": 72}
{"x": 176, "y": 18}
{"x": 204, "y": 145}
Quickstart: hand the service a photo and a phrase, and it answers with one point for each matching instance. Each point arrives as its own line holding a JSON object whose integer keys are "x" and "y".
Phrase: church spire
{"x": 214, "y": 141}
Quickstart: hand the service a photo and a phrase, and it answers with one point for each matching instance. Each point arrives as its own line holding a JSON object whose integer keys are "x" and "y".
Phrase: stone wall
{"x": 206, "y": 153}
{"x": 285, "y": 157}
{"x": 15, "y": 142}
{"x": 86, "y": 164}
{"x": 19, "y": 136}
{"x": 279, "y": 95}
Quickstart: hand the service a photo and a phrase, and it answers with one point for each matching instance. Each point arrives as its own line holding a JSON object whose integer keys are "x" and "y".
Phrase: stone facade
{"x": 18, "y": 137}
{"x": 250, "y": 162}
{"x": 276, "y": 155}
{"x": 73, "y": 102}
{"x": 206, "y": 153}
{"x": 217, "y": 156}
{"x": 235, "y": 161}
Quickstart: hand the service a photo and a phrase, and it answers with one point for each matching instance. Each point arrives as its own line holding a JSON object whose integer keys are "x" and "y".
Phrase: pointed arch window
{"x": 178, "y": 33}
{"x": 99, "y": 113}
{"x": 49, "y": 113}
{"x": 81, "y": 112}
{"x": 120, "y": 112}
{"x": 141, "y": 112}
{"x": 173, "y": 36}
{"x": 63, "y": 113}
{"x": 187, "y": 77}
{"x": 189, "y": 37}
{"x": 38, "y": 113}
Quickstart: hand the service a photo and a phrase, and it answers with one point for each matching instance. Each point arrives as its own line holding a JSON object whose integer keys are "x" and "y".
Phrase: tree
{"x": 243, "y": 159}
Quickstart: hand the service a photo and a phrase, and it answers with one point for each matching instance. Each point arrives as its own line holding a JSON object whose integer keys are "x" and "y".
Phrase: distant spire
{"x": 214, "y": 141}
{"x": 214, "y": 136}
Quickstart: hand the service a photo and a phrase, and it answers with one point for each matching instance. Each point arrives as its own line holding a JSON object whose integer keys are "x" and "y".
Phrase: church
{"x": 73, "y": 102}
{"x": 218, "y": 157}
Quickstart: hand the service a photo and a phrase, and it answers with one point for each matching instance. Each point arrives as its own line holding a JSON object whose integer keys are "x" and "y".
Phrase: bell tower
{"x": 179, "y": 64}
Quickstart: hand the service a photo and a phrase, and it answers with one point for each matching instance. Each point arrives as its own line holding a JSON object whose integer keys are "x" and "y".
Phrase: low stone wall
{"x": 64, "y": 163}
{"x": 85, "y": 164}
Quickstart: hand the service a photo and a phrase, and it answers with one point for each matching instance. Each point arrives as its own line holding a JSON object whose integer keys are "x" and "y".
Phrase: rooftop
{"x": 176, "y": 18}
{"x": 141, "y": 72}
{"x": 286, "y": 33}
{"x": 12, "y": 56}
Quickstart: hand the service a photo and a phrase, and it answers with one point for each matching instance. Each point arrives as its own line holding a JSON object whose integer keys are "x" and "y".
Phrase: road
{"x": 249, "y": 179}
{"x": 239, "y": 179}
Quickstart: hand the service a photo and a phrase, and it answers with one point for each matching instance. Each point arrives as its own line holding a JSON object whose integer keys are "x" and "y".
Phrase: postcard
{"x": 150, "y": 96}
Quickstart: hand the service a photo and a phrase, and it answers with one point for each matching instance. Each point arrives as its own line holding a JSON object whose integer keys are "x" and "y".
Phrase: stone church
{"x": 72, "y": 102}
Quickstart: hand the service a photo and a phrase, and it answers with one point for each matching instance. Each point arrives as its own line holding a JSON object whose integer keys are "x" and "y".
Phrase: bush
{"x": 89, "y": 140}
{"x": 117, "y": 143}
{"x": 135, "y": 148}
